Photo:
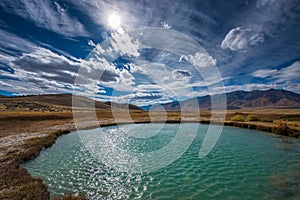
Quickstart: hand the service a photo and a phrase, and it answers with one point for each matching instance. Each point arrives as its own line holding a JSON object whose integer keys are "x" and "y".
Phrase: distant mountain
{"x": 122, "y": 106}
{"x": 241, "y": 100}
{"x": 55, "y": 103}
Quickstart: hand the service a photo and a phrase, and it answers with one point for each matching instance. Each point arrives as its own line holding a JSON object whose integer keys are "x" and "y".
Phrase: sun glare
{"x": 114, "y": 21}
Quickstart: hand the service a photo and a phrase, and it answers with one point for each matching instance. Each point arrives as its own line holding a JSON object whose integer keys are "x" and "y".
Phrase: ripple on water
{"x": 245, "y": 164}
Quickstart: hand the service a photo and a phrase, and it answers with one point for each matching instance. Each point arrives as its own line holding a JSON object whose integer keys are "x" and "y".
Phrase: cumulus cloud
{"x": 123, "y": 44}
{"x": 199, "y": 60}
{"x": 24, "y": 82}
{"x": 46, "y": 14}
{"x": 39, "y": 72}
{"x": 46, "y": 71}
{"x": 95, "y": 69}
{"x": 47, "y": 64}
{"x": 43, "y": 71}
{"x": 241, "y": 39}
{"x": 160, "y": 83}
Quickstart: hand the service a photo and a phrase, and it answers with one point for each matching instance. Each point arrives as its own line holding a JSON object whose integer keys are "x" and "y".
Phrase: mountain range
{"x": 55, "y": 103}
{"x": 271, "y": 98}
{"x": 235, "y": 100}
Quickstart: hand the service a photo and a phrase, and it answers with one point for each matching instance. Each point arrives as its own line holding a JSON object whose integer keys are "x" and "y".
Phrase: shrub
{"x": 266, "y": 119}
{"x": 237, "y": 118}
{"x": 283, "y": 129}
{"x": 252, "y": 118}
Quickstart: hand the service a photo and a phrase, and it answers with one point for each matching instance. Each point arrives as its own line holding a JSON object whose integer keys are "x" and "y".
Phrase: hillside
{"x": 122, "y": 106}
{"x": 244, "y": 100}
{"x": 53, "y": 103}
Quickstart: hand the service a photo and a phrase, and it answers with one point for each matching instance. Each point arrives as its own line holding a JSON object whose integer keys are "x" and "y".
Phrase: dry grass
{"x": 70, "y": 197}
{"x": 16, "y": 183}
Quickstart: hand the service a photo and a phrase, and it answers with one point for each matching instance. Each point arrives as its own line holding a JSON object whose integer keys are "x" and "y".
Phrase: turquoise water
{"x": 244, "y": 164}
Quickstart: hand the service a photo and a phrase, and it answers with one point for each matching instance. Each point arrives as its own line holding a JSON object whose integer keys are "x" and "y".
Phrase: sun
{"x": 114, "y": 21}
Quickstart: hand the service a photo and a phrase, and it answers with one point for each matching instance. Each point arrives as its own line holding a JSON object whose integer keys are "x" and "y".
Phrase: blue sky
{"x": 254, "y": 45}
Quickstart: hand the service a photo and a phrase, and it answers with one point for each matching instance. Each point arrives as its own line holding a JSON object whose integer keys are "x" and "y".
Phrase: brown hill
{"x": 242, "y": 100}
{"x": 54, "y": 103}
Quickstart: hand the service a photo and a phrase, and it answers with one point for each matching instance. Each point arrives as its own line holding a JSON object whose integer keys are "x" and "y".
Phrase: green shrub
{"x": 266, "y": 119}
{"x": 252, "y": 118}
{"x": 237, "y": 118}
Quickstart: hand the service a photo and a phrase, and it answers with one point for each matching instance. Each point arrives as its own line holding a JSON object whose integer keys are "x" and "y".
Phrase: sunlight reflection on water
{"x": 245, "y": 164}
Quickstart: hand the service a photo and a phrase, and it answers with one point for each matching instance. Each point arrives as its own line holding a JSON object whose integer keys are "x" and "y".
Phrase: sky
{"x": 64, "y": 46}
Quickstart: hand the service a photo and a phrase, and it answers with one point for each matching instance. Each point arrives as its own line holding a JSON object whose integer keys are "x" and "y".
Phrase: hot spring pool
{"x": 244, "y": 164}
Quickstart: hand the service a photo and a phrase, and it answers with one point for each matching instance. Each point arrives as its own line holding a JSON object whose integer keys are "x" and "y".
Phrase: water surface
{"x": 245, "y": 164}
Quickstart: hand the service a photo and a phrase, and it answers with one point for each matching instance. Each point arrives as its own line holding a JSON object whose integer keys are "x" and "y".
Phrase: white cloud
{"x": 11, "y": 44}
{"x": 149, "y": 88}
{"x": 148, "y": 14}
{"x": 241, "y": 39}
{"x": 43, "y": 71}
{"x": 91, "y": 43}
{"x": 165, "y": 25}
{"x": 126, "y": 78}
{"x": 46, "y": 14}
{"x": 123, "y": 44}
{"x": 143, "y": 96}
{"x": 288, "y": 85}
{"x": 285, "y": 78}
{"x": 199, "y": 60}
{"x": 264, "y": 73}
{"x": 211, "y": 81}
{"x": 59, "y": 8}
{"x": 45, "y": 56}
{"x": 134, "y": 68}
{"x": 181, "y": 74}
{"x": 25, "y": 82}
{"x": 291, "y": 86}
{"x": 158, "y": 85}
{"x": 40, "y": 71}
{"x": 290, "y": 73}
{"x": 5, "y": 59}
